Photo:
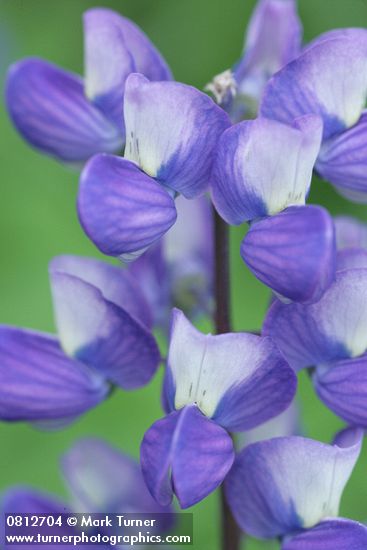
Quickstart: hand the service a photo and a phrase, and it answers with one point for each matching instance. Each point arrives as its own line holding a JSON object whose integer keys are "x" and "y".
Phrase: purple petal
{"x": 101, "y": 478}
{"x": 286, "y": 423}
{"x": 255, "y": 385}
{"x": 114, "y": 48}
{"x": 328, "y": 79}
{"x": 38, "y": 382}
{"x": 343, "y": 161}
{"x": 151, "y": 273}
{"x": 342, "y": 386}
{"x": 293, "y": 253}
{"x": 101, "y": 334}
{"x": 189, "y": 252}
{"x": 178, "y": 155}
{"x": 332, "y": 534}
{"x": 116, "y": 284}
{"x": 178, "y": 271}
{"x": 350, "y": 233}
{"x": 48, "y": 107}
{"x": 251, "y": 175}
{"x": 351, "y": 258}
{"x": 121, "y": 209}
{"x": 332, "y": 329}
{"x": 187, "y": 454}
{"x": 285, "y": 484}
{"x": 24, "y": 500}
{"x": 273, "y": 39}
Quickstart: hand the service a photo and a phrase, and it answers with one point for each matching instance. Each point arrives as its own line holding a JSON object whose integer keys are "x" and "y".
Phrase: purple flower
{"x": 290, "y": 488}
{"x": 289, "y": 247}
{"x": 330, "y": 336}
{"x": 103, "y": 338}
{"x": 127, "y": 204}
{"x": 178, "y": 271}
{"x": 273, "y": 39}
{"x": 329, "y": 79}
{"x": 71, "y": 119}
{"x": 213, "y": 384}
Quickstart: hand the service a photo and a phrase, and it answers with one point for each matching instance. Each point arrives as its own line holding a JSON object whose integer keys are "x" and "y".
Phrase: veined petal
{"x": 114, "y": 48}
{"x": 48, "y": 107}
{"x": 285, "y": 484}
{"x": 332, "y": 534}
{"x": 342, "y": 386}
{"x": 328, "y": 79}
{"x": 102, "y": 478}
{"x": 350, "y": 232}
{"x": 185, "y": 453}
{"x": 240, "y": 380}
{"x": 293, "y": 253}
{"x": 251, "y": 175}
{"x": 353, "y": 33}
{"x": 38, "y": 382}
{"x": 121, "y": 209}
{"x": 343, "y": 161}
{"x": 332, "y": 329}
{"x": 101, "y": 334}
{"x": 116, "y": 284}
{"x": 171, "y": 132}
{"x": 273, "y": 39}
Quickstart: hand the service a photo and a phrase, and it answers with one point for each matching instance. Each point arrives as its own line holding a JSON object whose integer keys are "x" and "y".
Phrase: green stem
{"x": 231, "y": 536}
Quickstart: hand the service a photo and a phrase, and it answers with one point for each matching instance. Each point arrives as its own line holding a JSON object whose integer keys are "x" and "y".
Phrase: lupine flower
{"x": 103, "y": 338}
{"x": 273, "y": 39}
{"x": 126, "y": 204}
{"x": 100, "y": 479}
{"x": 70, "y": 118}
{"x": 261, "y": 175}
{"x": 212, "y": 384}
{"x": 330, "y": 336}
{"x": 329, "y": 79}
{"x": 178, "y": 271}
{"x": 290, "y": 488}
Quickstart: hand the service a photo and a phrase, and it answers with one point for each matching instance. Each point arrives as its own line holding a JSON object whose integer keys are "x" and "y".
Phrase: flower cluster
{"x": 154, "y": 154}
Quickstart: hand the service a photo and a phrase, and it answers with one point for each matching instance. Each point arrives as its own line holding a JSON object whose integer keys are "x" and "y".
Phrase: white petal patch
{"x": 205, "y": 367}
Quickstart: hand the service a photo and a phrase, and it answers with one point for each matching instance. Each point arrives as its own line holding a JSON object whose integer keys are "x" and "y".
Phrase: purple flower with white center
{"x": 178, "y": 271}
{"x": 213, "y": 384}
{"x": 273, "y": 39}
{"x": 290, "y": 488}
{"x": 104, "y": 338}
{"x": 329, "y": 79}
{"x": 290, "y": 247}
{"x": 70, "y": 118}
{"x": 127, "y": 204}
{"x": 330, "y": 336}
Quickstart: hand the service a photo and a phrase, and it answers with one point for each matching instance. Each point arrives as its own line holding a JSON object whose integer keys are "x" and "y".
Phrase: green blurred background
{"x": 199, "y": 38}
